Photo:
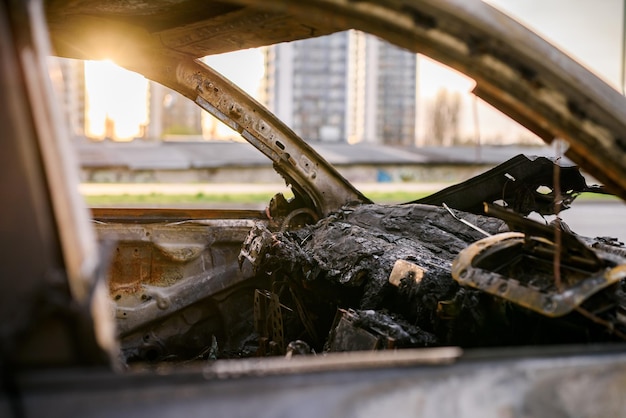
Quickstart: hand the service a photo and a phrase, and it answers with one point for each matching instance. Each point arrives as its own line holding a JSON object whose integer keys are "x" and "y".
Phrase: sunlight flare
{"x": 116, "y": 102}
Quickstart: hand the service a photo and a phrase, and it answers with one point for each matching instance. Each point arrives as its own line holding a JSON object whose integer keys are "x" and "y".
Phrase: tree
{"x": 444, "y": 117}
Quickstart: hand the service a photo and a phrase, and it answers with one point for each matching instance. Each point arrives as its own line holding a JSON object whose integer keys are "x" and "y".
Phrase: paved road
{"x": 595, "y": 218}
{"x": 599, "y": 218}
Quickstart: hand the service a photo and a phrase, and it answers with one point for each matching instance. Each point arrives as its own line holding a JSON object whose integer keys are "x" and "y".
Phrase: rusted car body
{"x": 185, "y": 281}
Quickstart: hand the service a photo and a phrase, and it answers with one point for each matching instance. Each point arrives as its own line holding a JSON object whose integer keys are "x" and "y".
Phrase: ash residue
{"x": 393, "y": 326}
{"x": 358, "y": 247}
{"x": 344, "y": 261}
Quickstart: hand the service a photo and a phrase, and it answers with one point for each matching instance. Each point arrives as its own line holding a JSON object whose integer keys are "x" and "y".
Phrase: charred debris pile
{"x": 373, "y": 277}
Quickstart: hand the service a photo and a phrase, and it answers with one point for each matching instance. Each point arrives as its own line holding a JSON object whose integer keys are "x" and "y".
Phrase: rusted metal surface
{"x": 152, "y": 215}
{"x": 195, "y": 27}
{"x": 303, "y": 168}
{"x": 268, "y": 321}
{"x": 530, "y": 293}
{"x": 158, "y": 269}
{"x": 297, "y": 162}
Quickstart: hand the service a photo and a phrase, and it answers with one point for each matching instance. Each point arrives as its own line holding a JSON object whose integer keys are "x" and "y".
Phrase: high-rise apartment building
{"x": 348, "y": 86}
{"x": 69, "y": 84}
{"x": 305, "y": 84}
{"x": 171, "y": 114}
{"x": 396, "y": 93}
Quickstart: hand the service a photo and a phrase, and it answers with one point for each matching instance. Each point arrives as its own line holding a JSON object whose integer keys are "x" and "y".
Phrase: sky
{"x": 244, "y": 68}
{"x": 103, "y": 100}
{"x": 589, "y": 31}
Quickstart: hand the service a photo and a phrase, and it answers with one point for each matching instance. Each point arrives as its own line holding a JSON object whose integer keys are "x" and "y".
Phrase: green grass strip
{"x": 235, "y": 198}
{"x": 258, "y": 198}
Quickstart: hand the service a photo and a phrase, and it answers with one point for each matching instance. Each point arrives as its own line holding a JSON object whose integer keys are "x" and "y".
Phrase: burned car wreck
{"x": 413, "y": 291}
{"x": 372, "y": 277}
{"x": 328, "y": 266}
